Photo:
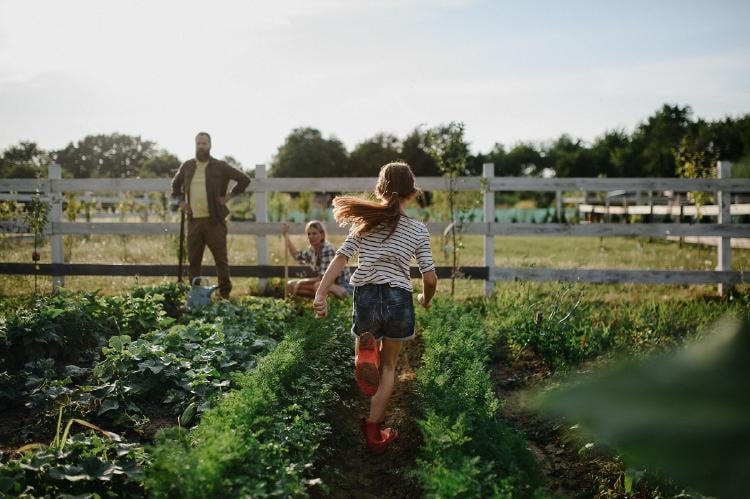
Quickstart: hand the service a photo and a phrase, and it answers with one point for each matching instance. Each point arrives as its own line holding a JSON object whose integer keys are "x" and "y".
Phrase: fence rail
{"x": 365, "y": 184}
{"x": 673, "y": 210}
{"x": 54, "y": 187}
{"x": 469, "y": 228}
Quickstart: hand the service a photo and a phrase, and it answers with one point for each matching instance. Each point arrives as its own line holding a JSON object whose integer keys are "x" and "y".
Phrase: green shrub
{"x": 65, "y": 327}
{"x": 468, "y": 450}
{"x": 173, "y": 296}
{"x": 88, "y": 464}
{"x": 173, "y": 367}
{"x": 71, "y": 327}
{"x": 564, "y": 325}
{"x": 183, "y": 367}
{"x": 261, "y": 439}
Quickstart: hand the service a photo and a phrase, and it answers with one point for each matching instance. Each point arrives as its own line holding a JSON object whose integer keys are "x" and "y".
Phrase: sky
{"x": 250, "y": 72}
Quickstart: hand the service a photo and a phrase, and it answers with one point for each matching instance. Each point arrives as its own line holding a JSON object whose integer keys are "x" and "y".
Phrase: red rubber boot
{"x": 377, "y": 438}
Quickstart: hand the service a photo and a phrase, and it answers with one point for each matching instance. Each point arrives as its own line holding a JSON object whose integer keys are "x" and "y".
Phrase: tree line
{"x": 671, "y": 142}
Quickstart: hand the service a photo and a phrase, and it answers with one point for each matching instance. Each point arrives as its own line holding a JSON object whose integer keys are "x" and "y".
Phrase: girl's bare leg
{"x": 388, "y": 358}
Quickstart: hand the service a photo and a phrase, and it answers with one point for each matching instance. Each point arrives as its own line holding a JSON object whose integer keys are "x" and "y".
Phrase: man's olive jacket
{"x": 218, "y": 175}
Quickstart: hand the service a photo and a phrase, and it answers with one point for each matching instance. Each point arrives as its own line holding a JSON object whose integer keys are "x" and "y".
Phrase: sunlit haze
{"x": 250, "y": 72}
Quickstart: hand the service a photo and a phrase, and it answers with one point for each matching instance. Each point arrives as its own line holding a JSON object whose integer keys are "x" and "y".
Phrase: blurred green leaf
{"x": 686, "y": 414}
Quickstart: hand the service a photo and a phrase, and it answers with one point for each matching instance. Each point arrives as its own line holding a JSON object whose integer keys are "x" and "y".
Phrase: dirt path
{"x": 569, "y": 471}
{"x": 348, "y": 469}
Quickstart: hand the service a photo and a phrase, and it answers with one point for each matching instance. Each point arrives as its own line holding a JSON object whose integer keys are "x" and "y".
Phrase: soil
{"x": 570, "y": 469}
{"x": 159, "y": 417}
{"x": 349, "y": 470}
{"x": 17, "y": 428}
{"x": 565, "y": 475}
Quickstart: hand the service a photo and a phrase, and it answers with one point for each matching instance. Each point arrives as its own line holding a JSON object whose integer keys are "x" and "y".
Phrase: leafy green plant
{"x": 468, "y": 450}
{"x": 172, "y": 366}
{"x": 694, "y": 162}
{"x": 262, "y": 438}
{"x": 10, "y": 210}
{"x": 135, "y": 314}
{"x": 181, "y": 365}
{"x": 685, "y": 413}
{"x": 566, "y": 324}
{"x": 63, "y": 327}
{"x": 36, "y": 218}
{"x": 72, "y": 208}
{"x": 173, "y": 295}
{"x": 70, "y": 327}
{"x": 100, "y": 464}
{"x": 450, "y": 152}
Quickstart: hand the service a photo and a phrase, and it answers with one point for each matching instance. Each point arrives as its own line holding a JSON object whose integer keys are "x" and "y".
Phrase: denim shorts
{"x": 384, "y": 311}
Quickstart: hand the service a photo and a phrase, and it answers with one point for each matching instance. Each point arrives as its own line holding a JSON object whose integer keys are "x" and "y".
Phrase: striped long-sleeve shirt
{"x": 386, "y": 260}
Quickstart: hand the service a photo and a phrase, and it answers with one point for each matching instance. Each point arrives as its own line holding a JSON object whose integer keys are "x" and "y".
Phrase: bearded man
{"x": 201, "y": 186}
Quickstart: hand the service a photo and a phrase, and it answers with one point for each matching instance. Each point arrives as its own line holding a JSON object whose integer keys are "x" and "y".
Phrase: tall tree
{"x": 163, "y": 164}
{"x": 367, "y": 157}
{"x": 659, "y": 137}
{"x": 497, "y": 156}
{"x": 114, "y": 155}
{"x": 524, "y": 159}
{"x": 742, "y": 166}
{"x": 613, "y": 155}
{"x": 569, "y": 158}
{"x": 24, "y": 160}
{"x": 305, "y": 153}
{"x": 415, "y": 151}
{"x": 730, "y": 140}
{"x": 233, "y": 162}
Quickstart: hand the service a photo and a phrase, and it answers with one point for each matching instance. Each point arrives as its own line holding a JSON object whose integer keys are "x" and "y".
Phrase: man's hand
{"x": 421, "y": 299}
{"x": 224, "y": 199}
{"x": 185, "y": 207}
{"x": 320, "y": 305}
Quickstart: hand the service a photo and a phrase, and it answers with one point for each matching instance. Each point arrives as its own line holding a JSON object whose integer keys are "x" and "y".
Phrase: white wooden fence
{"x": 54, "y": 187}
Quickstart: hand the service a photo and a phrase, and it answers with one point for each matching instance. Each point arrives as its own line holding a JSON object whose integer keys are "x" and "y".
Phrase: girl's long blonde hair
{"x": 395, "y": 182}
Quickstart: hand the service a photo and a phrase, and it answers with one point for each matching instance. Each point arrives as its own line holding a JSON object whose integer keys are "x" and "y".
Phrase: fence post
{"x": 54, "y": 172}
{"x": 261, "y": 215}
{"x": 589, "y": 217}
{"x": 679, "y": 216}
{"x": 724, "y": 170}
{"x": 650, "y": 205}
{"x": 146, "y": 206}
{"x": 488, "y": 172}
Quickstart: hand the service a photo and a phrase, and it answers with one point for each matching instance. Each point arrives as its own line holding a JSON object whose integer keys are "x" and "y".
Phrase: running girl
{"x": 383, "y": 312}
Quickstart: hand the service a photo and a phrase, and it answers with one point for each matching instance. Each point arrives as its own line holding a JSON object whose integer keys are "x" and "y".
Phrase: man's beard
{"x": 201, "y": 155}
